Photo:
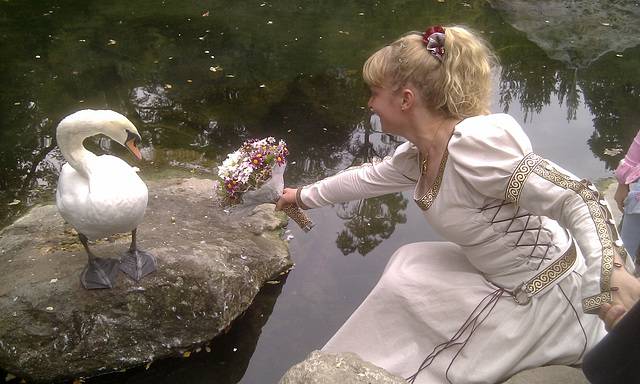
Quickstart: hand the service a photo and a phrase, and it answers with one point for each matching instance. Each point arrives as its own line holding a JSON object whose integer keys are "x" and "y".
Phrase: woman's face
{"x": 387, "y": 106}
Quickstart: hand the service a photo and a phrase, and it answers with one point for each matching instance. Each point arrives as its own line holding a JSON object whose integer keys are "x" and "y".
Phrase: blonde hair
{"x": 460, "y": 85}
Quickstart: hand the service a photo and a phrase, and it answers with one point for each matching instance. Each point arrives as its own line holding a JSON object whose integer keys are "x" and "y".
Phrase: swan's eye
{"x": 133, "y": 136}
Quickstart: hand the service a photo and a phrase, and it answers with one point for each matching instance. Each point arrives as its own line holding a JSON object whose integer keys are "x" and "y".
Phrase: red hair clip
{"x": 434, "y": 39}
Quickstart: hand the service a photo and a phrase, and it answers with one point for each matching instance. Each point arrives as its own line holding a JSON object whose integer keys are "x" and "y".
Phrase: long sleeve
{"x": 628, "y": 170}
{"x": 577, "y": 206}
{"x": 393, "y": 174}
{"x": 510, "y": 171}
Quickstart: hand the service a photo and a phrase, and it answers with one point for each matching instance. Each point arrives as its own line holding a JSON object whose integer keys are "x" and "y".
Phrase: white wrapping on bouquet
{"x": 270, "y": 192}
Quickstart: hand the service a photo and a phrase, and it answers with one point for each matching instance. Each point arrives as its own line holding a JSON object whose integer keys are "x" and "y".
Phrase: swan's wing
{"x": 117, "y": 194}
{"x": 112, "y": 200}
{"x": 71, "y": 193}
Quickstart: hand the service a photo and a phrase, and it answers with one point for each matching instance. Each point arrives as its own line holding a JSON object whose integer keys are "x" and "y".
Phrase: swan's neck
{"x": 70, "y": 144}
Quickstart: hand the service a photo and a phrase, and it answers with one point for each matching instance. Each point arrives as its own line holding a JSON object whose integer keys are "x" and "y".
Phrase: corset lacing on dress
{"x": 549, "y": 276}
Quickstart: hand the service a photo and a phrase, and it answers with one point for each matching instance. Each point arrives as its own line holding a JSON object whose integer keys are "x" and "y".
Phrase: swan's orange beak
{"x": 132, "y": 143}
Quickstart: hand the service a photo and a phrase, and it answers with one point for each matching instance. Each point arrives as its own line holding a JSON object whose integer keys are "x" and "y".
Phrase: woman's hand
{"x": 611, "y": 314}
{"x": 620, "y": 195}
{"x": 627, "y": 288}
{"x": 626, "y": 292}
{"x": 288, "y": 196}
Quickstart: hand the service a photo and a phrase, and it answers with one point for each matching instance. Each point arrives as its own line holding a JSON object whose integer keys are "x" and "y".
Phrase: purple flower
{"x": 231, "y": 185}
{"x": 257, "y": 159}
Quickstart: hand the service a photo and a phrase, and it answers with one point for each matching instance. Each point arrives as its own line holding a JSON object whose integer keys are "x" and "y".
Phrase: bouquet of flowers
{"x": 254, "y": 175}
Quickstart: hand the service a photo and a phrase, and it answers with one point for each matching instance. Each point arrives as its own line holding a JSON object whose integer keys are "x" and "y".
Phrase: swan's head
{"x": 89, "y": 122}
{"x": 118, "y": 128}
{"x": 132, "y": 141}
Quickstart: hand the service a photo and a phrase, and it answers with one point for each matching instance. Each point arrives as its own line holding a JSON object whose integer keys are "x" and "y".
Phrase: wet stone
{"x": 209, "y": 271}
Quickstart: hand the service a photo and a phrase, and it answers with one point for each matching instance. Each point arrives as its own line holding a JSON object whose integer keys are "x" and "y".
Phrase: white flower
{"x": 229, "y": 165}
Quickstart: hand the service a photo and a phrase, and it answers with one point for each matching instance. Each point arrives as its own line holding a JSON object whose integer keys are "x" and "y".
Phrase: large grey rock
{"x": 575, "y": 32}
{"x": 209, "y": 271}
{"x": 348, "y": 368}
{"x": 331, "y": 368}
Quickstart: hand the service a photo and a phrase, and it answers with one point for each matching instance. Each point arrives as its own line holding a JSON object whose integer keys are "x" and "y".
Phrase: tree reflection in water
{"x": 368, "y": 222}
{"x": 198, "y": 78}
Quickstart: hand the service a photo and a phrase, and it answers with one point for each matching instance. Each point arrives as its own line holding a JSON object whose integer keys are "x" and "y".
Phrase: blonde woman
{"x": 531, "y": 251}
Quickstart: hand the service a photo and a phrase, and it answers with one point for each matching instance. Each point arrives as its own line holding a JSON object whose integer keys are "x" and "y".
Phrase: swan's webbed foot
{"x": 137, "y": 264}
{"x": 99, "y": 273}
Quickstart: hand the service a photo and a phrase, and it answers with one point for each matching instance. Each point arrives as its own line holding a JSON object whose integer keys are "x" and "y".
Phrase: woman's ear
{"x": 408, "y": 98}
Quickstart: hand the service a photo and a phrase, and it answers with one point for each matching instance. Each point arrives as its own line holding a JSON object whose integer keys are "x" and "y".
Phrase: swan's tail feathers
{"x": 99, "y": 273}
{"x": 137, "y": 264}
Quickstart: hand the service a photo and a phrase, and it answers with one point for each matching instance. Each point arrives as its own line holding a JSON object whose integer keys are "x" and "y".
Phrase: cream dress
{"x": 509, "y": 290}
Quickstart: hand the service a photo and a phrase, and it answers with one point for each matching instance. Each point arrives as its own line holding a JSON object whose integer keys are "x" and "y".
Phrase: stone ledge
{"x": 348, "y": 368}
{"x": 209, "y": 271}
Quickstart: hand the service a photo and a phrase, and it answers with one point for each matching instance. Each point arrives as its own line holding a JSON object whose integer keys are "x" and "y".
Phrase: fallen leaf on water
{"x": 612, "y": 152}
{"x": 273, "y": 282}
{"x": 186, "y": 354}
{"x": 9, "y": 377}
{"x": 14, "y": 202}
{"x": 205, "y": 14}
{"x": 148, "y": 365}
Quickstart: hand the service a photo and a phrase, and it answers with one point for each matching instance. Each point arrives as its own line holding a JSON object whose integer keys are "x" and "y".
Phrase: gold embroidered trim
{"x": 427, "y": 199}
{"x": 590, "y": 195}
{"x": 520, "y": 176}
{"x": 594, "y": 302}
{"x": 552, "y": 272}
{"x": 299, "y": 199}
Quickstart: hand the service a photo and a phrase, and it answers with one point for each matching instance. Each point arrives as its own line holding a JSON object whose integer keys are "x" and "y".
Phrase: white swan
{"x": 102, "y": 195}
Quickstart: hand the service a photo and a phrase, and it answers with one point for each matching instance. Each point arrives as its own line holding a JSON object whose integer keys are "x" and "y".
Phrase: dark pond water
{"x": 199, "y": 77}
